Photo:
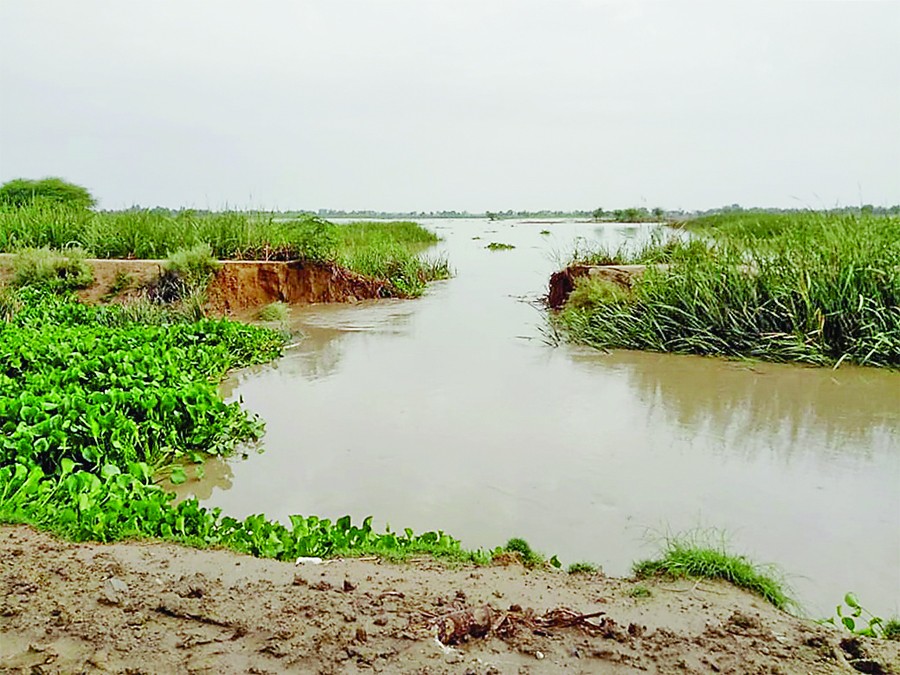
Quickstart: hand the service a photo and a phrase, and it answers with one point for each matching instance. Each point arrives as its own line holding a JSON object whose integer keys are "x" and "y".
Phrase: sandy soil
{"x": 158, "y": 608}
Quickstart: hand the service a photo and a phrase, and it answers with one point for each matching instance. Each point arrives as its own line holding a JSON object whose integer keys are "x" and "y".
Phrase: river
{"x": 455, "y": 412}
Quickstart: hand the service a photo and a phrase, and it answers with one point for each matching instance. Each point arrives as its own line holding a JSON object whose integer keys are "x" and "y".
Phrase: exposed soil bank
{"x": 154, "y": 607}
{"x": 241, "y": 285}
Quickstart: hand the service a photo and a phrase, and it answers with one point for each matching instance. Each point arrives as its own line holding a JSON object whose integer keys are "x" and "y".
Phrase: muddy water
{"x": 452, "y": 412}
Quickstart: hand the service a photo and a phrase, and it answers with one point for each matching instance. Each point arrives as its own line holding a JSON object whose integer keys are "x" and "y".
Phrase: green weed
{"x": 52, "y": 270}
{"x": 275, "y": 311}
{"x": 121, "y": 283}
{"x": 858, "y": 620}
{"x": 499, "y": 246}
{"x": 582, "y": 568}
{"x": 195, "y": 265}
{"x": 697, "y": 556}
{"x": 639, "y": 591}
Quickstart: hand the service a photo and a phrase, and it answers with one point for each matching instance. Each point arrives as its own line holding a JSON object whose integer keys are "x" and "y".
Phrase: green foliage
{"x": 94, "y": 401}
{"x": 52, "y": 270}
{"x": 528, "y": 557}
{"x": 23, "y": 192}
{"x": 545, "y": 232}
{"x": 696, "y": 555}
{"x": 811, "y": 288}
{"x": 121, "y": 283}
{"x": 592, "y": 291}
{"x": 639, "y": 591}
{"x": 275, "y": 311}
{"x": 195, "y": 265}
{"x": 499, "y": 246}
{"x": 582, "y": 568}
{"x": 858, "y": 620}
{"x": 391, "y": 251}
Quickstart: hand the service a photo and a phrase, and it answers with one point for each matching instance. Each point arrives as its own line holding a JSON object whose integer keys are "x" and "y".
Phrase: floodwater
{"x": 453, "y": 412}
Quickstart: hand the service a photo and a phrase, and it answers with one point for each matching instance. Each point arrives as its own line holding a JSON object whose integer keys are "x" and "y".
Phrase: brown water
{"x": 451, "y": 412}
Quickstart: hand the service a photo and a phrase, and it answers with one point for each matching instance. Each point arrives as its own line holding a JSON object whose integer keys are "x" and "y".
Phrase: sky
{"x": 465, "y": 104}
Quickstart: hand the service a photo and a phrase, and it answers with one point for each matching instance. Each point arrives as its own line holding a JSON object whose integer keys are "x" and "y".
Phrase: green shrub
{"x": 195, "y": 265}
{"x": 582, "y": 568}
{"x": 52, "y": 270}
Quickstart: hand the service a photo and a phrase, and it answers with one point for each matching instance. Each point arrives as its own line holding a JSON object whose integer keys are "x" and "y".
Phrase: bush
{"x": 52, "y": 270}
{"x": 22, "y": 192}
{"x": 195, "y": 265}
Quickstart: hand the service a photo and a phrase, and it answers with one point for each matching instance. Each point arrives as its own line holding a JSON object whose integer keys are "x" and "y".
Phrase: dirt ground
{"x": 158, "y": 608}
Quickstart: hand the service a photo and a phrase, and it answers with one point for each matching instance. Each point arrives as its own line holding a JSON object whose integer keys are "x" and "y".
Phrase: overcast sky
{"x": 482, "y": 104}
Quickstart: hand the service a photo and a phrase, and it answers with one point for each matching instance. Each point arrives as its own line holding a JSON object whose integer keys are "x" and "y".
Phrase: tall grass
{"x": 815, "y": 288}
{"x": 391, "y": 251}
{"x": 156, "y": 233}
{"x": 387, "y": 250}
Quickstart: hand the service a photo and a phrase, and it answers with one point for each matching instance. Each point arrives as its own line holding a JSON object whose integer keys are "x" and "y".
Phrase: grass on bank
{"x": 814, "y": 288}
{"x": 696, "y": 555}
{"x": 386, "y": 250}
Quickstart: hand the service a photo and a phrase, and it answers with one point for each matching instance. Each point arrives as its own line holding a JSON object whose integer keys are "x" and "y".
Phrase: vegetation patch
{"x": 696, "y": 556}
{"x": 855, "y": 618}
{"x": 582, "y": 568}
{"x": 51, "y": 270}
{"x": 499, "y": 246}
{"x": 96, "y": 401}
{"x": 817, "y": 288}
{"x": 274, "y": 311}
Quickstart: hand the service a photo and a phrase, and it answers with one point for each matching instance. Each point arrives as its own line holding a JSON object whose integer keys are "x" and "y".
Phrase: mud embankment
{"x": 154, "y": 607}
{"x": 238, "y": 285}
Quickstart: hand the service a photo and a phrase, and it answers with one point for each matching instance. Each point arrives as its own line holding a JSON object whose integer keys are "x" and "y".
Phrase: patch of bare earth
{"x": 158, "y": 608}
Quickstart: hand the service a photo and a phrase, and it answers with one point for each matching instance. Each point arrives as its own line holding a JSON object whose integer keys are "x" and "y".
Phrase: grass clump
{"x": 499, "y": 246}
{"x": 526, "y": 555}
{"x": 274, "y": 311}
{"x": 812, "y": 288}
{"x": 639, "y": 591}
{"x": 582, "y": 568}
{"x": 195, "y": 265}
{"x": 695, "y": 556}
{"x": 51, "y": 270}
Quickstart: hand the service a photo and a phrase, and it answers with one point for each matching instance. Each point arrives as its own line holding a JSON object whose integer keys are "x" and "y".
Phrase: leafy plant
{"x": 582, "y": 568}
{"x": 52, "y": 270}
{"x": 499, "y": 246}
{"x": 195, "y": 265}
{"x": 860, "y": 621}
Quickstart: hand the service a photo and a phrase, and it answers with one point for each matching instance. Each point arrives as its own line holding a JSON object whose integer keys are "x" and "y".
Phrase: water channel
{"x": 453, "y": 412}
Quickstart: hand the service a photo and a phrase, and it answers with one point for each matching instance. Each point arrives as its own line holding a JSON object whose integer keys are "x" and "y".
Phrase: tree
{"x": 658, "y": 213}
{"x": 22, "y": 192}
{"x": 598, "y": 213}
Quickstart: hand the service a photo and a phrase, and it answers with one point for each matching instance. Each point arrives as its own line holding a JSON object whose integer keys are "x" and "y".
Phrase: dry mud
{"x": 158, "y": 608}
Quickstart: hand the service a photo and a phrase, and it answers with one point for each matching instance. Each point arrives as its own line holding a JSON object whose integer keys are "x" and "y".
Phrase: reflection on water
{"x": 435, "y": 414}
{"x": 792, "y": 408}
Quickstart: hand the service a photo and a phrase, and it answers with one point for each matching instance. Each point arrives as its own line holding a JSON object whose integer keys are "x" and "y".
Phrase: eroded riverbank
{"x": 105, "y": 608}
